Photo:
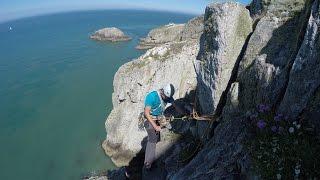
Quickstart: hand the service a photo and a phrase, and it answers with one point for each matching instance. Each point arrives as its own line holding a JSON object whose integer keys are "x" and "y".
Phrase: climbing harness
{"x": 194, "y": 115}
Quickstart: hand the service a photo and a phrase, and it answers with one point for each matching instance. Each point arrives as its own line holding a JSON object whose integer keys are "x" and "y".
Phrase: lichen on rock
{"x": 271, "y": 51}
{"x": 305, "y": 72}
{"x": 169, "y": 63}
{"x": 238, "y": 65}
{"x": 225, "y": 32}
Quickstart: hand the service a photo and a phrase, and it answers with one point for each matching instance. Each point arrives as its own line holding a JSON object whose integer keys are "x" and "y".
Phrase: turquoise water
{"x": 56, "y": 86}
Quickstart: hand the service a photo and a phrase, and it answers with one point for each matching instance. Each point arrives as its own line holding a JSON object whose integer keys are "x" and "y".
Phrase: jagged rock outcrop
{"x": 263, "y": 72}
{"x": 305, "y": 73}
{"x": 275, "y": 61}
{"x": 193, "y": 29}
{"x": 161, "y": 35}
{"x": 110, "y": 34}
{"x": 283, "y": 8}
{"x": 311, "y": 113}
{"x": 227, "y": 27}
{"x": 169, "y": 63}
{"x": 263, "y": 77}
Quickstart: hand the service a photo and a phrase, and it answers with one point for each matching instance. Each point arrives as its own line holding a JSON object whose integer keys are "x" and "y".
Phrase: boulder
{"x": 110, "y": 34}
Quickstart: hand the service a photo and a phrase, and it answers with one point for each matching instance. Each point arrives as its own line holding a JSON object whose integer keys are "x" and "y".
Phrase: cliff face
{"x": 278, "y": 59}
{"x": 161, "y": 35}
{"x": 221, "y": 46}
{"x": 241, "y": 61}
{"x": 271, "y": 51}
{"x": 173, "y": 33}
{"x": 171, "y": 62}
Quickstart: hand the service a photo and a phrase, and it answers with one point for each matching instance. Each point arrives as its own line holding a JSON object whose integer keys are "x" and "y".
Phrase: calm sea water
{"x": 56, "y": 86}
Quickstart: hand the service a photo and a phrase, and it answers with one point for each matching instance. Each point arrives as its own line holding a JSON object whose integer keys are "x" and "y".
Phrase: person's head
{"x": 167, "y": 91}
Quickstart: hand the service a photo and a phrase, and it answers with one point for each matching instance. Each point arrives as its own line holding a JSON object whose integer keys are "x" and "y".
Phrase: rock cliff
{"x": 221, "y": 46}
{"x": 171, "y": 62}
{"x": 161, "y": 35}
{"x": 173, "y": 33}
{"x": 266, "y": 54}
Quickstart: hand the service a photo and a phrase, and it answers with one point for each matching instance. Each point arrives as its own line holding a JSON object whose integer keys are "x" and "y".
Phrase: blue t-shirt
{"x": 154, "y": 102}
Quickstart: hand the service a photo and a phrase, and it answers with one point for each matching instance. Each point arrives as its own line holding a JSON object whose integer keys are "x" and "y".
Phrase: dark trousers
{"x": 153, "y": 138}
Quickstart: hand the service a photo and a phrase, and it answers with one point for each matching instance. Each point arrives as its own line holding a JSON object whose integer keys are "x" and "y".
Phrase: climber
{"x": 155, "y": 103}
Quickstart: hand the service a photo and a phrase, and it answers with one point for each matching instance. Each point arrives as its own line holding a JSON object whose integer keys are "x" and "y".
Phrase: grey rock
{"x": 169, "y": 63}
{"x": 225, "y": 32}
{"x": 279, "y": 8}
{"x": 161, "y": 35}
{"x": 110, "y": 34}
{"x": 232, "y": 103}
{"x": 305, "y": 73}
{"x": 256, "y": 7}
{"x": 280, "y": 67}
{"x": 192, "y": 30}
{"x": 311, "y": 113}
{"x": 262, "y": 72}
{"x": 271, "y": 50}
{"x": 221, "y": 157}
{"x": 224, "y": 156}
{"x": 97, "y": 178}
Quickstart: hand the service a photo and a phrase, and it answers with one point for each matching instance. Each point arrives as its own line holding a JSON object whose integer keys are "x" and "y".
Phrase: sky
{"x": 14, "y": 9}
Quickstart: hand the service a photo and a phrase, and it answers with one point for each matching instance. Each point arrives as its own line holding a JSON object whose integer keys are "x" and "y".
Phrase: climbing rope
{"x": 195, "y": 115}
{"x": 164, "y": 121}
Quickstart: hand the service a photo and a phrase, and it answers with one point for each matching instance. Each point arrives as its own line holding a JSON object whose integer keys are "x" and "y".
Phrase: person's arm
{"x": 147, "y": 110}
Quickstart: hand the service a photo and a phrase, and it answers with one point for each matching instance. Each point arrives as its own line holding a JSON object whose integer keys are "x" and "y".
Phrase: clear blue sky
{"x": 12, "y": 9}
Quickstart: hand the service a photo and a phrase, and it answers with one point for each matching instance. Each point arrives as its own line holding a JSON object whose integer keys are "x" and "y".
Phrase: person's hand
{"x": 157, "y": 128}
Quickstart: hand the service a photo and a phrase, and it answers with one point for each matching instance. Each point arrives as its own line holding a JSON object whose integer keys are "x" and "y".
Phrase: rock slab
{"x": 225, "y": 31}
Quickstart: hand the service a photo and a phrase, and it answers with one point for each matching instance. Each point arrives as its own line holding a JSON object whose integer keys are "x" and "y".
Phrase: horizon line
{"x": 3, "y": 21}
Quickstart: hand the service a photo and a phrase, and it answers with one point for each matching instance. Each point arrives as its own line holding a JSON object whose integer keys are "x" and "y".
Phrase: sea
{"x": 56, "y": 86}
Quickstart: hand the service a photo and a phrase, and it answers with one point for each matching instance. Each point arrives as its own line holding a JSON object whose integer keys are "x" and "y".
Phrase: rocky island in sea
{"x": 112, "y": 34}
{"x": 255, "y": 68}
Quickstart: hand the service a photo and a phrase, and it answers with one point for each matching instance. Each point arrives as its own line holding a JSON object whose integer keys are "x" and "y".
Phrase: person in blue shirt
{"x": 155, "y": 103}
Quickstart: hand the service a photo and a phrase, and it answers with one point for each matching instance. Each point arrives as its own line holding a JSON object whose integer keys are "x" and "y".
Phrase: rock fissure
{"x": 314, "y": 94}
{"x": 240, "y": 61}
{"x": 221, "y": 46}
{"x": 233, "y": 78}
{"x": 300, "y": 37}
{"x": 305, "y": 72}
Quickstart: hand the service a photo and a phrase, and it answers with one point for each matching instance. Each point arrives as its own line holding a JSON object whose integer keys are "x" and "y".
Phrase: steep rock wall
{"x": 169, "y": 63}
{"x": 278, "y": 65}
{"x": 226, "y": 29}
{"x": 305, "y": 72}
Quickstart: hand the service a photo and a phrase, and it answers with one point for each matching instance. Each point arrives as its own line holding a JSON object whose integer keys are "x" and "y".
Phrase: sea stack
{"x": 112, "y": 34}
